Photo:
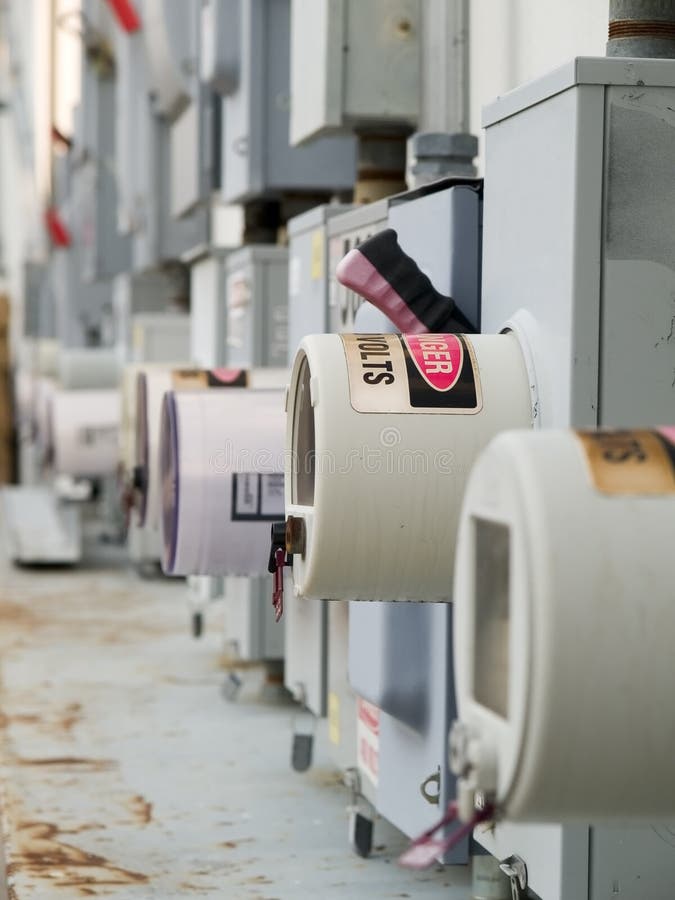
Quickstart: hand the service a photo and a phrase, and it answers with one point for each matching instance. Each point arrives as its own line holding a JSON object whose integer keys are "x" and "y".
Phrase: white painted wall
{"x": 513, "y": 41}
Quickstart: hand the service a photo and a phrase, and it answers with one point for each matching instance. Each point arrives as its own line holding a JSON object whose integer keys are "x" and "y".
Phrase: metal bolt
{"x": 296, "y": 535}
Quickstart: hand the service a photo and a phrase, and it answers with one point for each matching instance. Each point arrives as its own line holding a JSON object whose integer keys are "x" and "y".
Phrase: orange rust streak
{"x": 38, "y": 851}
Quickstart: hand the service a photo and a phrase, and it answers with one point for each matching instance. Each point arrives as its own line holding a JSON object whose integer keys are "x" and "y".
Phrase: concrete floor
{"x": 126, "y": 774}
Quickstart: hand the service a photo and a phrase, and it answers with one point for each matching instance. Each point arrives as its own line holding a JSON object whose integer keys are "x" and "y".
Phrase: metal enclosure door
{"x": 400, "y": 655}
{"x": 208, "y": 311}
{"x": 585, "y": 269}
{"x": 308, "y": 266}
{"x": 257, "y": 307}
{"x": 257, "y": 156}
{"x": 250, "y": 627}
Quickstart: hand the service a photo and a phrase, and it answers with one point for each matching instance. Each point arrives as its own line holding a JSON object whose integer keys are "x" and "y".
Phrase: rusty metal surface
{"x": 125, "y": 774}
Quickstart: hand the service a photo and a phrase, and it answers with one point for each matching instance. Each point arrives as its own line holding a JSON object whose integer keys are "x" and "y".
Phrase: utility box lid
{"x": 581, "y": 70}
{"x": 314, "y": 218}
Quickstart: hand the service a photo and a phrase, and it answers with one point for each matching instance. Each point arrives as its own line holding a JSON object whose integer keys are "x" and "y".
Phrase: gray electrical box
{"x": 38, "y": 310}
{"x": 171, "y": 38}
{"x": 400, "y": 654}
{"x": 257, "y": 306}
{"x": 439, "y": 225}
{"x": 257, "y": 158}
{"x": 144, "y": 165}
{"x": 251, "y": 632}
{"x": 193, "y": 153}
{"x": 344, "y": 233}
{"x": 579, "y": 259}
{"x": 308, "y": 262}
{"x": 82, "y": 312}
{"x": 219, "y": 56}
{"x": 208, "y": 310}
{"x": 355, "y": 65}
{"x": 105, "y": 251}
{"x": 155, "y": 292}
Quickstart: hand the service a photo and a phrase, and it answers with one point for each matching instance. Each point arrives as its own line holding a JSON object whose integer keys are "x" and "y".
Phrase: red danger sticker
{"x": 438, "y": 357}
{"x": 426, "y": 373}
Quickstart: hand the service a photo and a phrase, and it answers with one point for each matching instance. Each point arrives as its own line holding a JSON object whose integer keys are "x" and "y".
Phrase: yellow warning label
{"x": 334, "y": 718}
{"x": 189, "y": 379}
{"x": 630, "y": 461}
{"x": 317, "y": 255}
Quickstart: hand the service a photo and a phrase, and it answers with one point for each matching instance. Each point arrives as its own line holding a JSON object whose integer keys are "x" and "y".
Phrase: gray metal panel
{"x": 356, "y": 63}
{"x": 345, "y": 232}
{"x": 450, "y": 253}
{"x": 400, "y": 655}
{"x": 582, "y": 70}
{"x": 208, "y": 311}
{"x": 38, "y": 308}
{"x": 308, "y": 274}
{"x": 171, "y": 36}
{"x": 105, "y": 251}
{"x": 551, "y": 204}
{"x": 632, "y": 863}
{"x": 250, "y": 627}
{"x": 219, "y": 51}
{"x": 638, "y": 309}
{"x": 257, "y": 306}
{"x": 341, "y": 696}
{"x": 595, "y": 273}
{"x": 38, "y": 529}
{"x": 306, "y": 660}
{"x": 257, "y": 157}
{"x": 409, "y": 756}
{"x": 178, "y": 238}
{"x": 192, "y": 153}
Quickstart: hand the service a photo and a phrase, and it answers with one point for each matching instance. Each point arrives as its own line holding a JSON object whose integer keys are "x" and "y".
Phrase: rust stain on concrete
{"x": 39, "y": 851}
{"x": 69, "y": 762}
{"x": 141, "y": 809}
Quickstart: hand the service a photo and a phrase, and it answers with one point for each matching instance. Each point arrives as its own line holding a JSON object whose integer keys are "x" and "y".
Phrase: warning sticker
{"x": 257, "y": 497}
{"x": 631, "y": 461}
{"x": 412, "y": 373}
{"x": 196, "y": 379}
{"x": 368, "y": 739}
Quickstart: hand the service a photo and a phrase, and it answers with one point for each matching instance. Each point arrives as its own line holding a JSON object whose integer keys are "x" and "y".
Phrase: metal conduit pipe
{"x": 642, "y": 28}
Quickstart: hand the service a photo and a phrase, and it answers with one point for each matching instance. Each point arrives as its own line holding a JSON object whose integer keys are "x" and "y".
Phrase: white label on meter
{"x": 257, "y": 497}
{"x": 414, "y": 373}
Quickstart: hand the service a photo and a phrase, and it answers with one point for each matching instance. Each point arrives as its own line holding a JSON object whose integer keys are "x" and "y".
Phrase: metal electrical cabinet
{"x": 354, "y": 63}
{"x": 448, "y": 213}
{"x": 144, "y": 157}
{"x": 308, "y": 262}
{"x": 171, "y": 38}
{"x": 105, "y": 251}
{"x": 579, "y": 213}
{"x": 208, "y": 310}
{"x": 257, "y": 306}
{"x": 251, "y": 632}
{"x": 152, "y": 293}
{"x": 400, "y": 655}
{"x": 344, "y": 233}
{"x": 219, "y": 46}
{"x": 257, "y": 157}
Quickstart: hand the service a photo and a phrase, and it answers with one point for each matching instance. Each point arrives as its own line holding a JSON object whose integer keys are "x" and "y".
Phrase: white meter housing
{"x": 382, "y": 432}
{"x": 85, "y": 428}
{"x": 221, "y": 468}
{"x": 564, "y": 619}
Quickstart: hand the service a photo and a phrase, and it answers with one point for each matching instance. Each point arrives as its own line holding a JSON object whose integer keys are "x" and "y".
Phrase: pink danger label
{"x": 438, "y": 357}
{"x": 228, "y": 375}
